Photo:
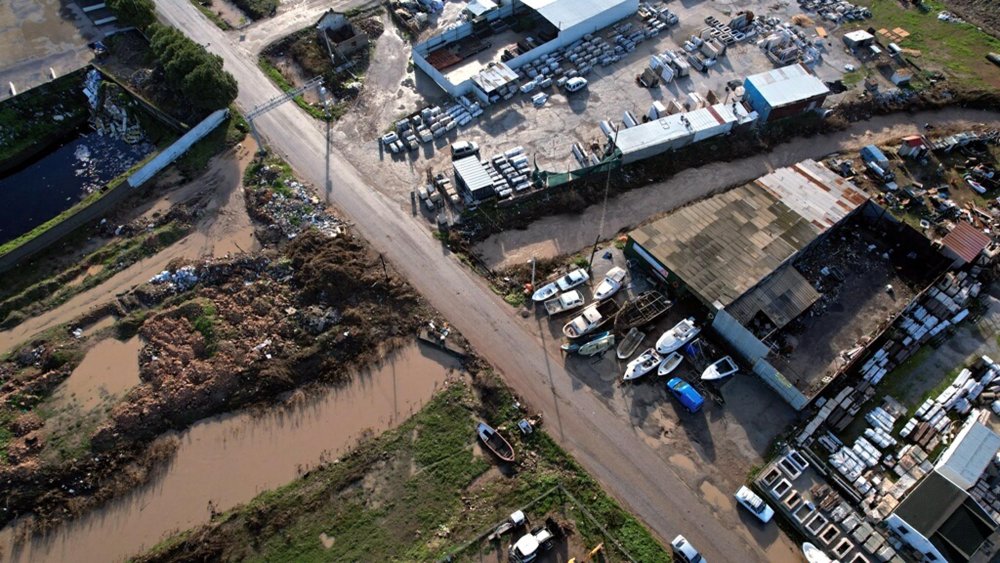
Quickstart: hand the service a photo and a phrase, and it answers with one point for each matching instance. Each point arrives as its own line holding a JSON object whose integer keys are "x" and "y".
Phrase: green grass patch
{"x": 957, "y": 50}
{"x": 417, "y": 493}
{"x": 212, "y": 16}
{"x": 515, "y": 298}
{"x": 280, "y": 81}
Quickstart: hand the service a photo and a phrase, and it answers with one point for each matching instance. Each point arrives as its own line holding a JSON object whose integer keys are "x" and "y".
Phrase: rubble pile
{"x": 286, "y": 205}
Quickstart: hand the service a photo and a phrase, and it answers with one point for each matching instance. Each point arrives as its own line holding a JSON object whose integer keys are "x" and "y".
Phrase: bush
{"x": 192, "y": 72}
{"x": 257, "y": 9}
{"x": 138, "y": 13}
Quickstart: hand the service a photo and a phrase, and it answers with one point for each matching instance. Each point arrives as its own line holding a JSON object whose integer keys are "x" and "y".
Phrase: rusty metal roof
{"x": 782, "y": 297}
{"x": 966, "y": 241}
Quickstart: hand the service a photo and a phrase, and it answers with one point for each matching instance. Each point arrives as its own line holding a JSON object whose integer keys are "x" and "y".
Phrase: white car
{"x": 686, "y": 552}
{"x": 756, "y": 505}
{"x": 576, "y": 84}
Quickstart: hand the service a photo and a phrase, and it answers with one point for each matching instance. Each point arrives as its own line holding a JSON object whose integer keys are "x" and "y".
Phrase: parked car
{"x": 756, "y": 505}
{"x": 688, "y": 397}
{"x": 684, "y": 551}
{"x": 575, "y": 84}
{"x": 462, "y": 149}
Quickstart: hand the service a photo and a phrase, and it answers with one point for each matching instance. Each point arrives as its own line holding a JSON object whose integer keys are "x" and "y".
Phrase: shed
{"x": 871, "y": 153}
{"x": 338, "y": 35}
{"x": 784, "y": 92}
{"x": 913, "y": 146}
{"x": 964, "y": 243}
{"x": 858, "y": 39}
{"x": 471, "y": 175}
{"x": 478, "y": 8}
{"x": 968, "y": 456}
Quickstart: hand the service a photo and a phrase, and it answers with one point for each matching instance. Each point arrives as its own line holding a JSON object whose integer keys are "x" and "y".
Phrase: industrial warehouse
{"x": 748, "y": 256}
{"x": 481, "y": 56}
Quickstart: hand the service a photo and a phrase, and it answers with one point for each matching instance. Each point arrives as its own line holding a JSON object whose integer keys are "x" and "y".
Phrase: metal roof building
{"x": 680, "y": 129}
{"x": 471, "y": 175}
{"x": 784, "y": 92}
{"x": 734, "y": 252}
{"x": 965, "y": 242}
{"x": 968, "y": 456}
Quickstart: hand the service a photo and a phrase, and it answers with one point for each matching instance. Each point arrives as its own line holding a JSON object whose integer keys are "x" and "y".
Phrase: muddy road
{"x": 228, "y": 460}
{"x": 564, "y": 234}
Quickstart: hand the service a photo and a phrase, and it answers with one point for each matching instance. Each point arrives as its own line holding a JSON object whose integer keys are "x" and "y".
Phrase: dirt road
{"x": 224, "y": 228}
{"x": 564, "y": 234}
{"x": 607, "y": 445}
{"x": 292, "y": 16}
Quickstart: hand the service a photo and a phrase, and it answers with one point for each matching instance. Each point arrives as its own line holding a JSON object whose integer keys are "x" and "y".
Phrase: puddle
{"x": 91, "y": 271}
{"x": 108, "y": 370}
{"x": 102, "y": 323}
{"x": 227, "y": 460}
{"x": 713, "y": 495}
{"x": 683, "y": 462}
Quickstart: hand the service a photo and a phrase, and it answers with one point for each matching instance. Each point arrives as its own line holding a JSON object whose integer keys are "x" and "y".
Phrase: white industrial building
{"x": 454, "y": 58}
{"x": 674, "y": 131}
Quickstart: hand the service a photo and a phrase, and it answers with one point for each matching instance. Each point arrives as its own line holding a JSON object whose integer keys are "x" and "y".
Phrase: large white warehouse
{"x": 506, "y": 37}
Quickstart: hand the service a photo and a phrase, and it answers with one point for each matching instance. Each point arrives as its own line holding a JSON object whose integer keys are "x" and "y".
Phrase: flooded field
{"x": 225, "y": 461}
{"x": 49, "y": 186}
{"x": 108, "y": 370}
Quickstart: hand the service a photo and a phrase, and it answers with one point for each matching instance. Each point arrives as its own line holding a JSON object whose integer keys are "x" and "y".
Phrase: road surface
{"x": 604, "y": 443}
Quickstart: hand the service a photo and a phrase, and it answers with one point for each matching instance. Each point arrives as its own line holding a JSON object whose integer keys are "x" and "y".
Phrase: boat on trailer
{"x": 669, "y": 363}
{"x": 644, "y": 309}
{"x": 643, "y": 364}
{"x": 630, "y": 343}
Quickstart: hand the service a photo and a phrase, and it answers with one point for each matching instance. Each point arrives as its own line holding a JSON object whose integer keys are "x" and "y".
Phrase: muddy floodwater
{"x": 108, "y": 370}
{"x": 228, "y": 460}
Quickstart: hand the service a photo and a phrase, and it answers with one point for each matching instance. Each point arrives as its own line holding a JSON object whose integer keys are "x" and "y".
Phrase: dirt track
{"x": 224, "y": 228}
{"x": 564, "y": 234}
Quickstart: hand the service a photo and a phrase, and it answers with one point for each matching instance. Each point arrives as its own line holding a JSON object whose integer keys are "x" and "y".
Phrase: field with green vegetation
{"x": 422, "y": 492}
{"x": 958, "y": 50}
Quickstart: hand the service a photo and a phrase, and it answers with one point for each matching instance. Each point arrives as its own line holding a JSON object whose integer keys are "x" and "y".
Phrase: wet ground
{"x": 227, "y": 460}
{"x": 38, "y": 35}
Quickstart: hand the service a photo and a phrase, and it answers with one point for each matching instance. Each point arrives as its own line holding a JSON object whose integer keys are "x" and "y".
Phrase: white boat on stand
{"x": 564, "y": 303}
{"x": 642, "y": 364}
{"x": 678, "y": 336}
{"x": 720, "y": 369}
{"x": 632, "y": 341}
{"x": 565, "y": 283}
{"x": 669, "y": 363}
{"x": 598, "y": 345}
{"x": 611, "y": 284}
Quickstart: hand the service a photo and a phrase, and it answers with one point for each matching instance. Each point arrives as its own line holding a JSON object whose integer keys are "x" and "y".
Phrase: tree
{"x": 208, "y": 87}
{"x": 191, "y": 71}
{"x": 138, "y": 13}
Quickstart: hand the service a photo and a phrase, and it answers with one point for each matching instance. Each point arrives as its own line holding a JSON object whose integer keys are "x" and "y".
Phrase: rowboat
{"x": 597, "y": 345}
{"x": 611, "y": 284}
{"x": 495, "y": 442}
{"x": 677, "y": 336}
{"x": 630, "y": 343}
{"x": 643, "y": 364}
{"x": 669, "y": 363}
{"x": 720, "y": 369}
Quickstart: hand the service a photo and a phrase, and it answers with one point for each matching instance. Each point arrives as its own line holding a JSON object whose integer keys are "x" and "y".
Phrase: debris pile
{"x": 179, "y": 280}
{"x": 286, "y": 205}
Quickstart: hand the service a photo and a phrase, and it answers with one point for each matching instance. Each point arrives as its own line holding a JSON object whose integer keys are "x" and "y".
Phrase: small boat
{"x": 721, "y": 369}
{"x": 564, "y": 303}
{"x": 814, "y": 554}
{"x": 611, "y": 284}
{"x": 643, "y": 364}
{"x": 592, "y": 317}
{"x": 495, "y": 442}
{"x": 670, "y": 363}
{"x": 644, "y": 309}
{"x": 678, "y": 336}
{"x": 576, "y": 346}
{"x": 598, "y": 345}
{"x": 565, "y": 283}
{"x": 631, "y": 342}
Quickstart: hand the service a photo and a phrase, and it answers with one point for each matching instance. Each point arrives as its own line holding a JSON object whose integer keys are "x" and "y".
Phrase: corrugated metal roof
{"x": 724, "y": 245}
{"x": 782, "y": 297}
{"x": 565, "y": 14}
{"x": 968, "y": 456}
{"x": 494, "y": 77}
{"x": 930, "y": 503}
{"x": 473, "y": 173}
{"x": 787, "y": 85}
{"x": 672, "y": 128}
{"x": 966, "y": 241}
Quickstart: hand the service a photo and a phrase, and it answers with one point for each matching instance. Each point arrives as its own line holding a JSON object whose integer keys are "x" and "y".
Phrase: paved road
{"x": 605, "y": 444}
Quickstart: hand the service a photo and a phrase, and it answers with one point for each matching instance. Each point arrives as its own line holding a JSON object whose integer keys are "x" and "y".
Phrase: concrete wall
{"x": 179, "y": 147}
{"x": 754, "y": 352}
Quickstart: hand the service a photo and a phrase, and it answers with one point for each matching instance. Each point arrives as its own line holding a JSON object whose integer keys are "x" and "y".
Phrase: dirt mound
{"x": 983, "y": 13}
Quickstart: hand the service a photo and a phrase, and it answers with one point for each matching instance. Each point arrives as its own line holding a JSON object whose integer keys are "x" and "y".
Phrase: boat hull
{"x": 630, "y": 344}
{"x": 669, "y": 364}
{"x": 495, "y": 442}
